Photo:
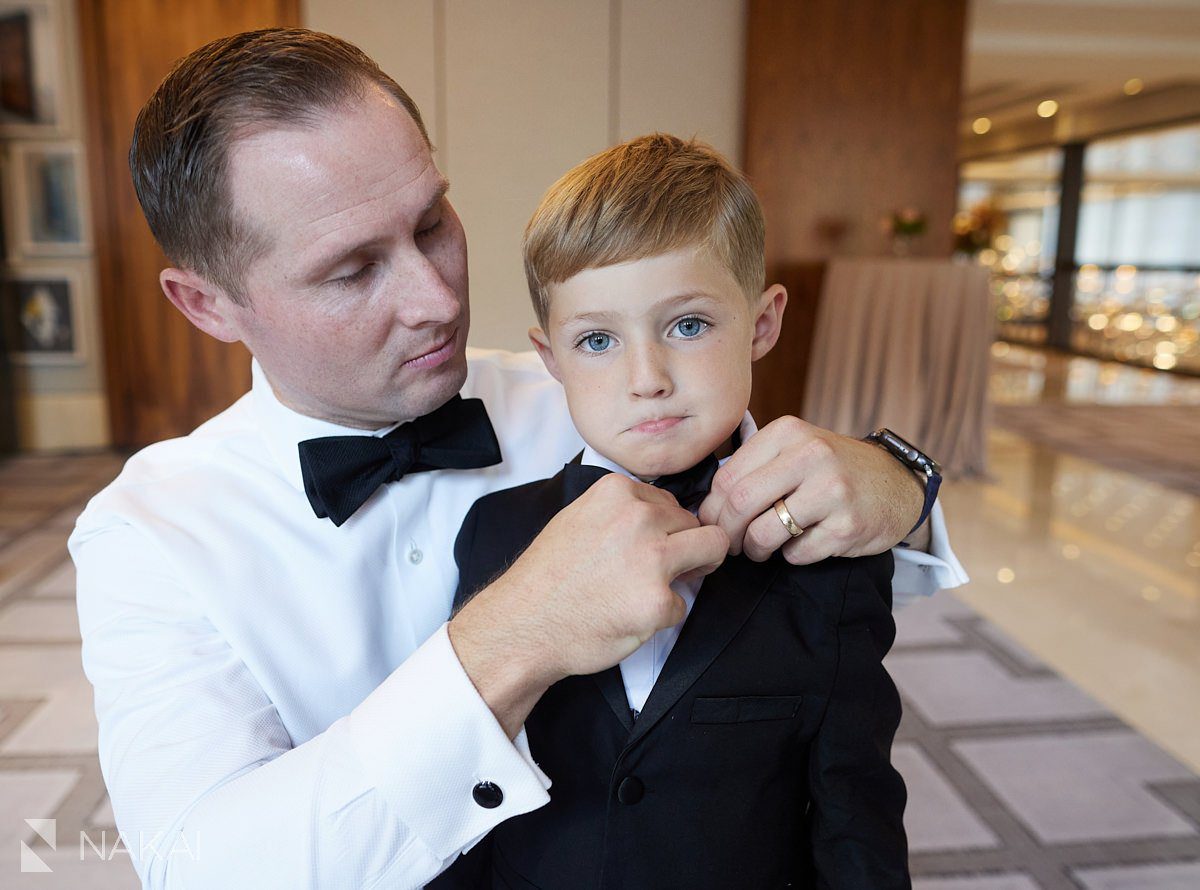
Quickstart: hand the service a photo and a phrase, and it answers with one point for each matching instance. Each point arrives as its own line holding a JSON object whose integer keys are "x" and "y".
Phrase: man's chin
{"x": 434, "y": 390}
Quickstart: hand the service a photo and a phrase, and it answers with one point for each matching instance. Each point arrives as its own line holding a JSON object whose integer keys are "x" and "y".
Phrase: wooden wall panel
{"x": 163, "y": 376}
{"x": 779, "y": 375}
{"x": 852, "y": 112}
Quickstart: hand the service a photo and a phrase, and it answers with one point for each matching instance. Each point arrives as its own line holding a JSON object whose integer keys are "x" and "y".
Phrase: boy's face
{"x": 655, "y": 356}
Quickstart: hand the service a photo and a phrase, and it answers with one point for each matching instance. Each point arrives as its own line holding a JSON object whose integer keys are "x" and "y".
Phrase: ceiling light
{"x": 981, "y": 125}
{"x": 1048, "y": 108}
{"x": 1133, "y": 86}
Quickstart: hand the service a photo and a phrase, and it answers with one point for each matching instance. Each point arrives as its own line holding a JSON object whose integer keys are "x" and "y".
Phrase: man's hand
{"x": 589, "y": 590}
{"x": 851, "y": 497}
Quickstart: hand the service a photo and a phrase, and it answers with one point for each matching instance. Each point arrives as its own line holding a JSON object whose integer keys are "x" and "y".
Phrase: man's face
{"x": 655, "y": 356}
{"x": 358, "y": 310}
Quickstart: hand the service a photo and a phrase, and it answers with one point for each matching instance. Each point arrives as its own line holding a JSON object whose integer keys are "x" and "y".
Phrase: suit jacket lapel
{"x": 576, "y": 479}
{"x": 612, "y": 687}
{"x": 725, "y": 601}
{"x": 727, "y": 598}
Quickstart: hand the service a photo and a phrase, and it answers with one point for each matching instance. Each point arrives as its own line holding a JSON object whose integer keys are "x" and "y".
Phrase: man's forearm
{"x": 920, "y": 538}
{"x": 503, "y": 671}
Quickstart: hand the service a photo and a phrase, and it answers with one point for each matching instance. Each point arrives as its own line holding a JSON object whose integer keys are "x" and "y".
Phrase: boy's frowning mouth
{"x": 657, "y": 425}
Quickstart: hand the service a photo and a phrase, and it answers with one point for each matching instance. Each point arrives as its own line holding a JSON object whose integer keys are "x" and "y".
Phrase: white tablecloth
{"x": 904, "y": 343}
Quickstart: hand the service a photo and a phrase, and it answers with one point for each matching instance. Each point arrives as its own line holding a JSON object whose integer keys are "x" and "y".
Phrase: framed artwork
{"x": 46, "y": 199}
{"x": 16, "y": 68}
{"x": 34, "y": 90}
{"x": 41, "y": 313}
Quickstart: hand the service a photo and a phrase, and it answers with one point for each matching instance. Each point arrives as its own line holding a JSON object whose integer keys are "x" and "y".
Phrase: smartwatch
{"x": 915, "y": 460}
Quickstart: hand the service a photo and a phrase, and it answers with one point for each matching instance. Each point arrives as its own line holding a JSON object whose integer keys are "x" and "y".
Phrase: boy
{"x": 748, "y": 746}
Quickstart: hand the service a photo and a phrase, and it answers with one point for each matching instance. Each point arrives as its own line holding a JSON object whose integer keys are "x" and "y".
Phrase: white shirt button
{"x": 415, "y": 556}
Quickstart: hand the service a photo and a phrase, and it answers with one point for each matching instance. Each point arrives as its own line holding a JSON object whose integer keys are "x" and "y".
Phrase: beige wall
{"x": 516, "y": 91}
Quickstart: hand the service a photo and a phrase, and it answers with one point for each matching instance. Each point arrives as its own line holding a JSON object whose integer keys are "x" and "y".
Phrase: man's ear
{"x": 204, "y": 304}
{"x": 542, "y": 344}
{"x": 769, "y": 320}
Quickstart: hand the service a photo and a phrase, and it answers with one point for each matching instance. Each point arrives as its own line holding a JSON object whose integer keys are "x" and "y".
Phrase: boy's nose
{"x": 649, "y": 377}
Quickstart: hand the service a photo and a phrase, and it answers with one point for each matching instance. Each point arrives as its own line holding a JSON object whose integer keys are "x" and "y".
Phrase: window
{"x": 1008, "y": 221}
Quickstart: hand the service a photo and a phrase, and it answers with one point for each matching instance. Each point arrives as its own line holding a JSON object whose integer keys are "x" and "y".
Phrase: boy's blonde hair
{"x": 639, "y": 199}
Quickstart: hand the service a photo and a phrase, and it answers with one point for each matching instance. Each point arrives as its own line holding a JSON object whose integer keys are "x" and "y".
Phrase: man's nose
{"x": 424, "y": 297}
{"x": 649, "y": 373}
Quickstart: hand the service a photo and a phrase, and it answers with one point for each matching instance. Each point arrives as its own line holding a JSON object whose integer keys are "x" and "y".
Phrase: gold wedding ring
{"x": 785, "y": 517}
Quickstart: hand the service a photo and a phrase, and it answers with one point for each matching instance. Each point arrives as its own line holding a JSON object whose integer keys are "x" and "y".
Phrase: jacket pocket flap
{"x": 745, "y": 708}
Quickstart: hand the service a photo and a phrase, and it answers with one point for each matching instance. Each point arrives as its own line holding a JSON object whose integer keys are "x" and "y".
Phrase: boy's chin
{"x": 651, "y": 470}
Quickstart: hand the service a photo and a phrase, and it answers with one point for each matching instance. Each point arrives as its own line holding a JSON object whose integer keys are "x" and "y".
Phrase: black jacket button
{"x": 488, "y": 795}
{"x": 630, "y": 790}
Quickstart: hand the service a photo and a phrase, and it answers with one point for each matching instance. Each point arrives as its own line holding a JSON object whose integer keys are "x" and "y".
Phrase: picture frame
{"x": 47, "y": 200}
{"x": 42, "y": 309}
{"x": 35, "y": 94}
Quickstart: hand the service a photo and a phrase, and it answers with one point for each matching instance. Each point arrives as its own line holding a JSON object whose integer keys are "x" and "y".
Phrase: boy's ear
{"x": 202, "y": 303}
{"x": 769, "y": 321}
{"x": 542, "y": 344}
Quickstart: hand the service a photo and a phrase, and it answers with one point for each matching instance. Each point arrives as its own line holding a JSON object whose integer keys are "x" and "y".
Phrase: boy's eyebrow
{"x": 608, "y": 315}
{"x": 339, "y": 256}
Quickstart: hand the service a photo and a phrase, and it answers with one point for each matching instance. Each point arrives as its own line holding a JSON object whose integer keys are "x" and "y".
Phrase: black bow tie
{"x": 341, "y": 472}
{"x": 690, "y": 486}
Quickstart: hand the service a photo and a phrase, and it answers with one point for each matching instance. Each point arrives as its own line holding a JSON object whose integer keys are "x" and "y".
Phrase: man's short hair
{"x": 224, "y": 91}
{"x": 639, "y": 199}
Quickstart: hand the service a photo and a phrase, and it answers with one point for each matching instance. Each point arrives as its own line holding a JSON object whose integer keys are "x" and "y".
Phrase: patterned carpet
{"x": 1115, "y": 435}
{"x": 1016, "y": 779}
{"x": 1019, "y": 781}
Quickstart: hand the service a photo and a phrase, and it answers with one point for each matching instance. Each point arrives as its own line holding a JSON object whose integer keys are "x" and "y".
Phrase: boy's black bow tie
{"x": 690, "y": 486}
{"x": 341, "y": 472}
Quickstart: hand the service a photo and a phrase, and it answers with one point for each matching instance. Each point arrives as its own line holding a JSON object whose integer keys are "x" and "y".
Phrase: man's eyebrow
{"x": 339, "y": 256}
{"x": 443, "y": 186}
{"x": 606, "y": 315}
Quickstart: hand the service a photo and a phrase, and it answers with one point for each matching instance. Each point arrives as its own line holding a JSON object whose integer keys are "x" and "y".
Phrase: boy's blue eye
{"x": 691, "y": 327}
{"x": 596, "y": 342}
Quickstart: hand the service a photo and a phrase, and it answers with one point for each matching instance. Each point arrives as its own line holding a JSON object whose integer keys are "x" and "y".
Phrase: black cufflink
{"x": 488, "y": 795}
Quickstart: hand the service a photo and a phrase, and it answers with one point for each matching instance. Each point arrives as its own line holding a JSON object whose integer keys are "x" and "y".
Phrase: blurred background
{"x": 987, "y": 215}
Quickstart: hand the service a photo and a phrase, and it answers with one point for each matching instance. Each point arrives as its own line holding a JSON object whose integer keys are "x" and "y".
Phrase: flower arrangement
{"x": 977, "y": 227}
{"x": 902, "y": 226}
{"x": 907, "y": 222}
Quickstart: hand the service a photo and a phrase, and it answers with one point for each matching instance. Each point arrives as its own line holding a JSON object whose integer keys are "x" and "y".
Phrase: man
{"x": 282, "y": 701}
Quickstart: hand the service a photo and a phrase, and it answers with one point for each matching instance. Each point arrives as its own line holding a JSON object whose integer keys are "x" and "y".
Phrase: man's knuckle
{"x": 757, "y": 538}
{"x": 722, "y": 480}
{"x": 818, "y": 449}
{"x": 839, "y": 488}
{"x": 741, "y": 498}
{"x": 611, "y": 482}
{"x": 790, "y": 425}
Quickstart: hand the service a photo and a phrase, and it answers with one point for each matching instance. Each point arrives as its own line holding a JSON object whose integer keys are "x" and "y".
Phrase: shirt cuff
{"x": 920, "y": 574}
{"x": 425, "y": 739}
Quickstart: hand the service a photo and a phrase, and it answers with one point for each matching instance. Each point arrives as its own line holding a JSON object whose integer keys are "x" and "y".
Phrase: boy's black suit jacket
{"x": 761, "y": 758}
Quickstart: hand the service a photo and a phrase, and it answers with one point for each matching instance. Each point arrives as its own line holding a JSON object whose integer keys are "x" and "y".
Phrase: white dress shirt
{"x": 278, "y": 700}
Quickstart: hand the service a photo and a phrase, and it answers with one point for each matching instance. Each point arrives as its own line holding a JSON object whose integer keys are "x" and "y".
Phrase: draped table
{"x": 904, "y": 343}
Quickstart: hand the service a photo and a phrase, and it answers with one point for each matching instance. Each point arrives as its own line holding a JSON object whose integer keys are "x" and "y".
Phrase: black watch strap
{"x": 917, "y": 461}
